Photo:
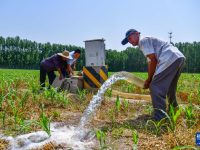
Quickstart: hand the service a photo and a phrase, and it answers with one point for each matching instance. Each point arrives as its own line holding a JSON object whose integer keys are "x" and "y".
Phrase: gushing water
{"x": 90, "y": 112}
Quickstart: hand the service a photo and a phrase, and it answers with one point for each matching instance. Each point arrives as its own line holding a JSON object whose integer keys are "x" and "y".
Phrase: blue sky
{"x": 74, "y": 21}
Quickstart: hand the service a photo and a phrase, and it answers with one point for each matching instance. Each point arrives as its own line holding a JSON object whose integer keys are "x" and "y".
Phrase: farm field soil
{"x": 117, "y": 123}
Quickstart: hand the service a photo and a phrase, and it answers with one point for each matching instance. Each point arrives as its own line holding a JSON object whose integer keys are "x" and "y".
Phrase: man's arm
{"x": 151, "y": 69}
{"x": 70, "y": 69}
{"x": 74, "y": 65}
{"x": 61, "y": 75}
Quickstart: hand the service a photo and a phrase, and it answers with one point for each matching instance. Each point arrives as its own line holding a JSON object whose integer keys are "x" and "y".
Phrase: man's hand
{"x": 61, "y": 76}
{"x": 146, "y": 84}
{"x": 73, "y": 74}
{"x": 74, "y": 68}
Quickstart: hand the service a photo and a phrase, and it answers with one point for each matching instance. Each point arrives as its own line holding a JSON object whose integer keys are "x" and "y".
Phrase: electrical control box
{"x": 95, "y": 53}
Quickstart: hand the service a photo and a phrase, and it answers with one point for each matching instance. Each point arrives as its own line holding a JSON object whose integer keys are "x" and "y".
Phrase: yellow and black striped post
{"x": 94, "y": 77}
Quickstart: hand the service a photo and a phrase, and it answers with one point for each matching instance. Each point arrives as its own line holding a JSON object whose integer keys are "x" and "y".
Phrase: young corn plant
{"x": 126, "y": 104}
{"x": 34, "y": 88}
{"x": 109, "y": 91}
{"x": 117, "y": 103}
{"x": 174, "y": 116}
{"x": 118, "y": 132}
{"x": 190, "y": 112}
{"x": 81, "y": 93}
{"x": 58, "y": 98}
{"x": 101, "y": 137}
{"x": 135, "y": 138}
{"x": 113, "y": 120}
{"x": 46, "y": 93}
{"x": 24, "y": 125}
{"x": 129, "y": 89}
{"x": 12, "y": 91}
{"x": 34, "y": 97}
{"x": 56, "y": 114}
{"x": 24, "y": 100}
{"x": 149, "y": 109}
{"x": 3, "y": 115}
{"x": 45, "y": 122}
{"x": 158, "y": 125}
{"x": 53, "y": 92}
{"x": 64, "y": 99}
{"x": 2, "y": 96}
{"x": 143, "y": 91}
{"x": 15, "y": 110}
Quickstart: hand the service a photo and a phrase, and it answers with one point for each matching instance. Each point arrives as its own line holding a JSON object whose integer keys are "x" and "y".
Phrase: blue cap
{"x": 129, "y": 32}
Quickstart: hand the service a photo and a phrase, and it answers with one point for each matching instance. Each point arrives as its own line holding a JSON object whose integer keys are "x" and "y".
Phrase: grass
{"x": 22, "y": 105}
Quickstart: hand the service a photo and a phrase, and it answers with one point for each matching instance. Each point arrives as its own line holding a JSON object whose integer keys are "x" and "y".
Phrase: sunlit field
{"x": 119, "y": 123}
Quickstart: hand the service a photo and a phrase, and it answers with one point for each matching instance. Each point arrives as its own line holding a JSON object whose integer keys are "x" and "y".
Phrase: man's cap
{"x": 65, "y": 54}
{"x": 129, "y": 32}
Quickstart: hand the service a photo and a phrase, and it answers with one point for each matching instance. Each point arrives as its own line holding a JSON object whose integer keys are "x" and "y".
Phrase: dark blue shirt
{"x": 53, "y": 62}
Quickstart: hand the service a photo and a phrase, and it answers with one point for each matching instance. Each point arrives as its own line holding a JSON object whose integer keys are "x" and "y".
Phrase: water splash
{"x": 90, "y": 112}
{"x": 60, "y": 135}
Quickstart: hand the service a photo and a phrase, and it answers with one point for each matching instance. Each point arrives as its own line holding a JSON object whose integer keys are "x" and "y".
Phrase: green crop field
{"x": 119, "y": 123}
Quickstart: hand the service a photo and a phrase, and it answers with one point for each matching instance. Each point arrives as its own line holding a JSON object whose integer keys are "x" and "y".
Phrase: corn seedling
{"x": 174, "y": 116}
{"x": 34, "y": 88}
{"x": 81, "y": 93}
{"x": 2, "y": 96}
{"x": 45, "y": 122}
{"x": 158, "y": 125}
{"x": 143, "y": 91}
{"x": 15, "y": 111}
{"x": 3, "y": 115}
{"x": 101, "y": 136}
{"x": 190, "y": 112}
{"x": 113, "y": 120}
{"x": 52, "y": 93}
{"x": 149, "y": 110}
{"x": 64, "y": 99}
{"x": 24, "y": 125}
{"x": 12, "y": 91}
{"x": 56, "y": 114}
{"x": 129, "y": 89}
{"x": 24, "y": 101}
{"x": 135, "y": 138}
{"x": 46, "y": 93}
{"x": 109, "y": 91}
{"x": 117, "y": 103}
{"x": 126, "y": 104}
{"x": 117, "y": 133}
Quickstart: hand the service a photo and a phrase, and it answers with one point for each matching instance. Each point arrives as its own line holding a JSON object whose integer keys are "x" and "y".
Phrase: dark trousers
{"x": 64, "y": 72}
{"x": 165, "y": 84}
{"x": 51, "y": 76}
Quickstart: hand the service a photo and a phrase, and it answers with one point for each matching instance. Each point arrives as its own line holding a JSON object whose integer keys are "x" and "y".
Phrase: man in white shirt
{"x": 165, "y": 63}
{"x": 75, "y": 55}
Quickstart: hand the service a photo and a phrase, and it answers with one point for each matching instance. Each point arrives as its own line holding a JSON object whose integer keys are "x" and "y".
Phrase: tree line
{"x": 19, "y": 53}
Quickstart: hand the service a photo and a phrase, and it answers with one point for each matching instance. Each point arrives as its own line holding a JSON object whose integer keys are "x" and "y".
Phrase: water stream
{"x": 90, "y": 112}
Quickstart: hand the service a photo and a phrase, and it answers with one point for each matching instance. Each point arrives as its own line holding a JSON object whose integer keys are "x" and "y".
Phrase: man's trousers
{"x": 165, "y": 84}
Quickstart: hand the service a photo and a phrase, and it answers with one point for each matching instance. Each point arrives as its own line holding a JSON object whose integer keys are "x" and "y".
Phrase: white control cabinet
{"x": 95, "y": 53}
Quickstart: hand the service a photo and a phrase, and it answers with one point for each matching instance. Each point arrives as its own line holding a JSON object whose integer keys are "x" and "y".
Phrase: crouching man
{"x": 51, "y": 64}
